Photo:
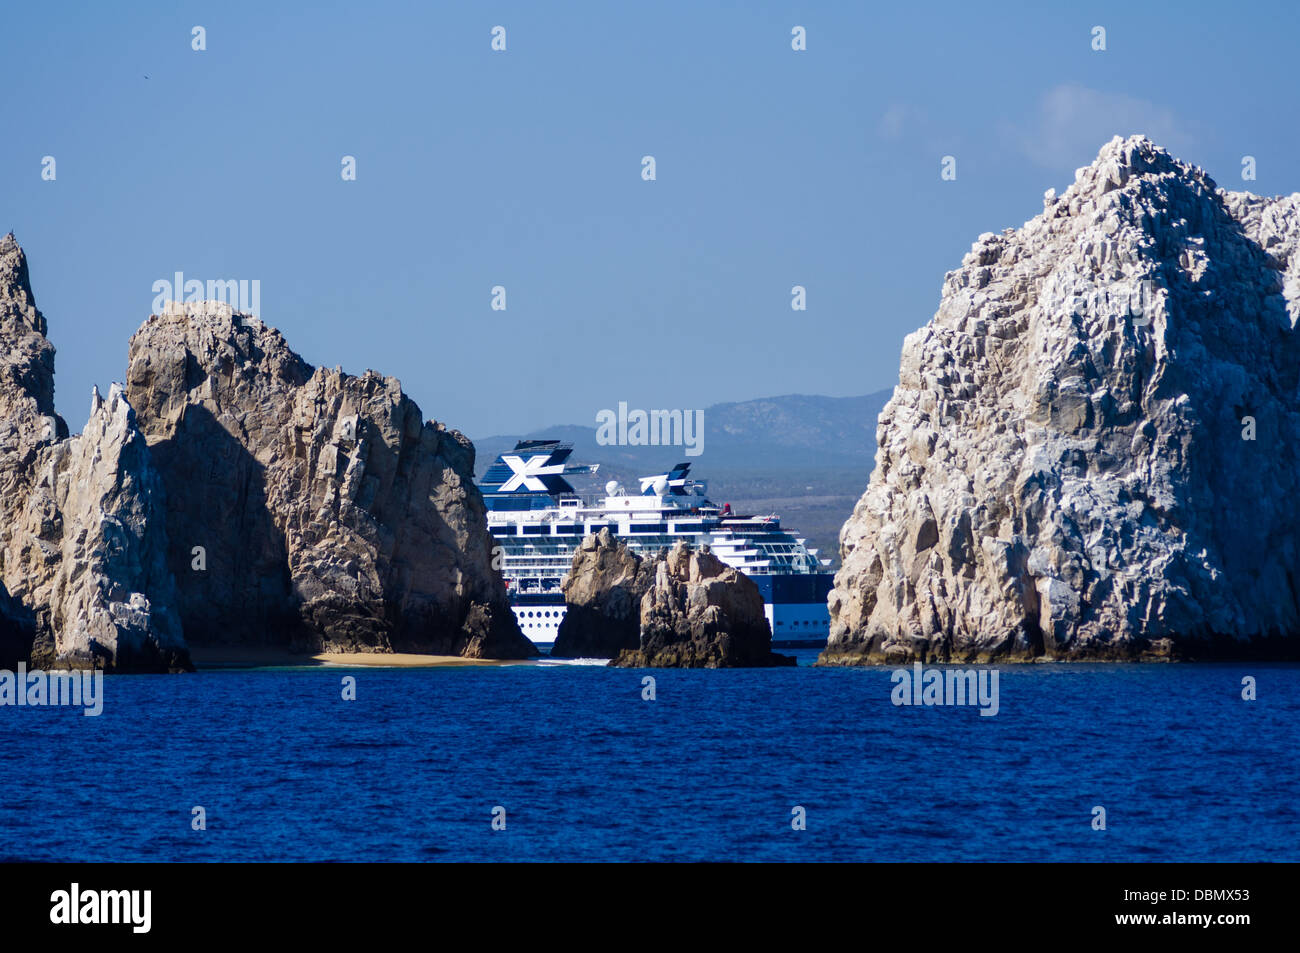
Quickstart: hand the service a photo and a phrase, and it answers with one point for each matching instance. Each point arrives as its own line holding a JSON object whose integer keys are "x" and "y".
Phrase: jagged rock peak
{"x": 16, "y": 300}
{"x": 338, "y": 518}
{"x": 1104, "y": 401}
{"x": 26, "y": 355}
{"x": 112, "y": 598}
{"x": 82, "y": 538}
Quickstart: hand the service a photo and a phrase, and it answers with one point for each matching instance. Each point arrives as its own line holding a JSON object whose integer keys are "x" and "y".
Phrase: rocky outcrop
{"x": 111, "y": 597}
{"x": 27, "y": 423}
{"x": 27, "y": 418}
{"x": 602, "y": 594}
{"x": 82, "y": 552}
{"x": 1092, "y": 448}
{"x": 701, "y": 613}
{"x": 309, "y": 508}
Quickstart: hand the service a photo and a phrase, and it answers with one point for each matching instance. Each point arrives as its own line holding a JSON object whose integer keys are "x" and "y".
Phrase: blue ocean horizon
{"x": 711, "y": 770}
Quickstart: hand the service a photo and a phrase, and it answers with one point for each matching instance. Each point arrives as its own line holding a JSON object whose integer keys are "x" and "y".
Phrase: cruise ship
{"x": 539, "y": 520}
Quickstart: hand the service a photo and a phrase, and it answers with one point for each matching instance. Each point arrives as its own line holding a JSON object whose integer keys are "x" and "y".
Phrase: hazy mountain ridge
{"x": 792, "y": 431}
{"x": 803, "y": 457}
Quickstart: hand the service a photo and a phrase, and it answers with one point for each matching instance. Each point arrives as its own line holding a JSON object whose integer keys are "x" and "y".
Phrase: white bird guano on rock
{"x": 112, "y": 598}
{"x": 1093, "y": 451}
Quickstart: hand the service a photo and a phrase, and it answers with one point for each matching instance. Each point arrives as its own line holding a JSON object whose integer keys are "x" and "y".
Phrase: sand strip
{"x": 238, "y": 656}
{"x": 400, "y": 659}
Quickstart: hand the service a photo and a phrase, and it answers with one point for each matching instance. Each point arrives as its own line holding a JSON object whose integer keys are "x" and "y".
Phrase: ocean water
{"x": 710, "y": 770}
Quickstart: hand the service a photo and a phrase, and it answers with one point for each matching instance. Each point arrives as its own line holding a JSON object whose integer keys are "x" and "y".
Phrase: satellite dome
{"x": 661, "y": 485}
{"x": 612, "y": 488}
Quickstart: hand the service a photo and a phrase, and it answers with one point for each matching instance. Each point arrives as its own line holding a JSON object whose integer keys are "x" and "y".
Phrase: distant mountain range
{"x": 806, "y": 458}
{"x": 773, "y": 433}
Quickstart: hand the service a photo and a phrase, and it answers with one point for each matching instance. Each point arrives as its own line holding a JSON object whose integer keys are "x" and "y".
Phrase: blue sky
{"x": 523, "y": 169}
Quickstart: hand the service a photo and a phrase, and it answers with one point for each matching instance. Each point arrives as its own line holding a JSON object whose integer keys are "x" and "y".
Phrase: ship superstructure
{"x": 539, "y": 520}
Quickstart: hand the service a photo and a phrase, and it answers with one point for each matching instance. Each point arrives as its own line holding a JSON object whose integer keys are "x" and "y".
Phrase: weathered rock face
{"x": 82, "y": 552}
{"x": 111, "y": 597}
{"x": 701, "y": 613}
{"x": 309, "y": 508}
{"x": 26, "y": 409}
{"x": 603, "y": 592}
{"x": 1092, "y": 449}
{"x": 26, "y": 365}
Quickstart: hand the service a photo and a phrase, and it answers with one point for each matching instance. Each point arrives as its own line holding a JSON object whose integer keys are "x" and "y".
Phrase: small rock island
{"x": 681, "y": 609}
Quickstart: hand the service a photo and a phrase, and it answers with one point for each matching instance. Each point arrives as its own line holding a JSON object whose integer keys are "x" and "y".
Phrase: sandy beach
{"x": 400, "y": 659}
{"x": 253, "y": 657}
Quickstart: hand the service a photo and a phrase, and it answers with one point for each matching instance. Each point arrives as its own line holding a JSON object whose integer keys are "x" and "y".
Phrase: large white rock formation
{"x": 1093, "y": 450}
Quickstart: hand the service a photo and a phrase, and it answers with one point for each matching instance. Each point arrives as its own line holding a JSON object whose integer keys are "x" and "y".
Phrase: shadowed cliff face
{"x": 310, "y": 507}
{"x": 83, "y": 577}
{"x": 243, "y": 593}
{"x": 1092, "y": 449}
{"x": 17, "y": 629}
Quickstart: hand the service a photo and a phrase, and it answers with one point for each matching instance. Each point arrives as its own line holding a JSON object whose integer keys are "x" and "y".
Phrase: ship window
{"x": 536, "y": 530}
{"x": 503, "y": 531}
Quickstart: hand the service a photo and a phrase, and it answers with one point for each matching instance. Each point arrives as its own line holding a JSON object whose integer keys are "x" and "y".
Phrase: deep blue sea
{"x": 710, "y": 770}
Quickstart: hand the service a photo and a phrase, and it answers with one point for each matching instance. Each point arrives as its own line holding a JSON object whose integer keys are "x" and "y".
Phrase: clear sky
{"x": 523, "y": 169}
